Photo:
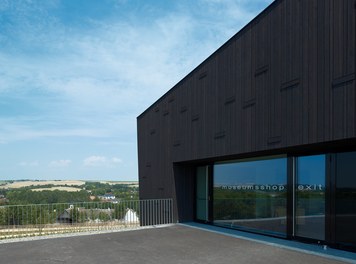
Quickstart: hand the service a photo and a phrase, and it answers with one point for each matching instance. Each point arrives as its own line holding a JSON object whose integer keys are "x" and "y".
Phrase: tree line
{"x": 26, "y": 195}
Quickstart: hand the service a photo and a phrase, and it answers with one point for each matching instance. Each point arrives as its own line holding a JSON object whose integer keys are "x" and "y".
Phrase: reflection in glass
{"x": 251, "y": 195}
{"x": 310, "y": 197}
{"x": 345, "y": 204}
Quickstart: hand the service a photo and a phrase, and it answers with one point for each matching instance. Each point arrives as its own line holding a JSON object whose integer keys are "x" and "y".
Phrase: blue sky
{"x": 75, "y": 74}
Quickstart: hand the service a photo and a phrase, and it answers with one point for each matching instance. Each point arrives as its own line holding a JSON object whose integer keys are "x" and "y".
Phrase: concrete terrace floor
{"x": 163, "y": 245}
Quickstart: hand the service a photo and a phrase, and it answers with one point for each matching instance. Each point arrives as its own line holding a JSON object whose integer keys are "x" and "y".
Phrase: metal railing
{"x": 50, "y": 219}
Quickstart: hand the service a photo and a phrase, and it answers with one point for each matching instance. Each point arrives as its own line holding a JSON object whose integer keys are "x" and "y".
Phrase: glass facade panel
{"x": 251, "y": 195}
{"x": 202, "y": 194}
{"x": 310, "y": 197}
{"x": 345, "y": 203}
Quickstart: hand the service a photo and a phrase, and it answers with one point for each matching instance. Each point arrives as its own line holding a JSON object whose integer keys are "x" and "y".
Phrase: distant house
{"x": 107, "y": 197}
{"x": 83, "y": 214}
{"x": 3, "y": 199}
{"x": 65, "y": 217}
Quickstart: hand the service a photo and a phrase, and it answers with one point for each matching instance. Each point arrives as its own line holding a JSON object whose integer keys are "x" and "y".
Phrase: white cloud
{"x": 85, "y": 83}
{"x": 22, "y": 128}
{"x": 101, "y": 161}
{"x": 60, "y": 163}
{"x": 113, "y": 74}
{"x": 83, "y": 79}
{"x": 29, "y": 163}
{"x": 116, "y": 160}
{"x": 94, "y": 161}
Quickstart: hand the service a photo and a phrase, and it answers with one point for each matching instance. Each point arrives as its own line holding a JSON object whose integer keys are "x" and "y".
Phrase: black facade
{"x": 279, "y": 94}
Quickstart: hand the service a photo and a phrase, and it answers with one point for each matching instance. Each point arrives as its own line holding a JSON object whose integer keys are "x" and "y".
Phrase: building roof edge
{"x": 263, "y": 13}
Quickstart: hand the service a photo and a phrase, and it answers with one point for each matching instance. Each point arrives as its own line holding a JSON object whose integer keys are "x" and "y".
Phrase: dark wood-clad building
{"x": 261, "y": 136}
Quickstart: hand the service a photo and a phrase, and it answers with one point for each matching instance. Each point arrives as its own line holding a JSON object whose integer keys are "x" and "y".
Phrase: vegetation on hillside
{"x": 22, "y": 197}
{"x": 89, "y": 192}
{"x": 121, "y": 191}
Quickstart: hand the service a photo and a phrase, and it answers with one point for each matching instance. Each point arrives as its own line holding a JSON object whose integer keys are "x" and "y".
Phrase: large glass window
{"x": 345, "y": 203}
{"x": 251, "y": 195}
{"x": 310, "y": 197}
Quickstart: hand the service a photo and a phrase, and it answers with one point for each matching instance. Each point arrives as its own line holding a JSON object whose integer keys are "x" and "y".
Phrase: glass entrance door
{"x": 310, "y": 197}
{"x": 345, "y": 200}
{"x": 202, "y": 194}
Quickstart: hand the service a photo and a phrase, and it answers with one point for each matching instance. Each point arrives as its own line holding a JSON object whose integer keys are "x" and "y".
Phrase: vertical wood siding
{"x": 286, "y": 79}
